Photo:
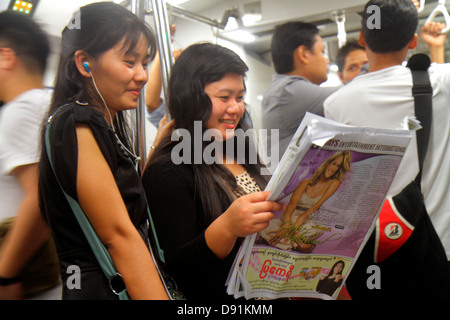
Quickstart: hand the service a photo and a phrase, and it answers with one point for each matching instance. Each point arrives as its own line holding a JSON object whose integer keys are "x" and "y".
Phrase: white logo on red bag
{"x": 393, "y": 231}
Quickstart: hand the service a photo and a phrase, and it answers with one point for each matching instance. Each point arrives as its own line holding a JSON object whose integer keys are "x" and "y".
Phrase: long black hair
{"x": 197, "y": 66}
{"x": 101, "y": 26}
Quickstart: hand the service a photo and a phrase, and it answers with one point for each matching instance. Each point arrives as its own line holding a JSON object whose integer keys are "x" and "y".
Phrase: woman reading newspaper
{"x": 202, "y": 209}
{"x": 295, "y": 230}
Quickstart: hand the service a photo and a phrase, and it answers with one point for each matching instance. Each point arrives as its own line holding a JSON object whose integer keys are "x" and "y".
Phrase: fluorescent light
{"x": 176, "y": 2}
{"x": 252, "y": 13}
{"x": 250, "y": 19}
{"x": 233, "y": 32}
{"x": 231, "y": 24}
{"x": 241, "y": 36}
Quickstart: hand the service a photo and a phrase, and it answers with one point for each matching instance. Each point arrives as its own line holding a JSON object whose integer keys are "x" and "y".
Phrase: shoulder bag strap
{"x": 422, "y": 93}
{"x": 100, "y": 252}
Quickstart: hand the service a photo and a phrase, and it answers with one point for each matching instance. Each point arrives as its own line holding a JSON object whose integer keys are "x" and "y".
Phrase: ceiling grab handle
{"x": 341, "y": 33}
{"x": 440, "y": 8}
{"x": 421, "y": 6}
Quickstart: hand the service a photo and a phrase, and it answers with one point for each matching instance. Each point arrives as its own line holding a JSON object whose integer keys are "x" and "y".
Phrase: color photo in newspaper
{"x": 334, "y": 180}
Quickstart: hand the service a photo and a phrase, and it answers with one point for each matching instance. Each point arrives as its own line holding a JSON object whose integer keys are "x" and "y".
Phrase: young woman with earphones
{"x": 102, "y": 70}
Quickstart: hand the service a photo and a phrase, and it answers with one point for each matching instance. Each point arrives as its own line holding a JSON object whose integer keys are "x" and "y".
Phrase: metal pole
{"x": 177, "y": 11}
{"x": 138, "y": 117}
{"x": 162, "y": 29}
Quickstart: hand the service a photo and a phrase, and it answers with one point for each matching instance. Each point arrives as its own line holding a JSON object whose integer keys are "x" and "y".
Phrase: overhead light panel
{"x": 252, "y": 13}
{"x": 251, "y": 19}
{"x": 176, "y": 2}
{"x": 234, "y": 28}
{"x": 241, "y": 36}
{"x": 232, "y": 24}
{"x": 23, "y": 7}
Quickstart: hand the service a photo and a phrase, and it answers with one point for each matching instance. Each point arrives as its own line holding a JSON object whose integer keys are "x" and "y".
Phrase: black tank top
{"x": 71, "y": 244}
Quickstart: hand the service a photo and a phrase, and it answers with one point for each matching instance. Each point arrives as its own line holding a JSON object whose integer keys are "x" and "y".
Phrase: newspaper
{"x": 333, "y": 179}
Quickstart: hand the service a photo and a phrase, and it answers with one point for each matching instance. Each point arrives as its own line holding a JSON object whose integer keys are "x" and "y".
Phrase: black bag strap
{"x": 422, "y": 93}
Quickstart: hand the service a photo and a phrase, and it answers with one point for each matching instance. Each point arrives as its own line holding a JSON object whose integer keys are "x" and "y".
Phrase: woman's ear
{"x": 81, "y": 58}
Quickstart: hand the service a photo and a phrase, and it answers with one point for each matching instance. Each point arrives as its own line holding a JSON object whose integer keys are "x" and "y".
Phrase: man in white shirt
{"x": 382, "y": 98}
{"x": 24, "y": 49}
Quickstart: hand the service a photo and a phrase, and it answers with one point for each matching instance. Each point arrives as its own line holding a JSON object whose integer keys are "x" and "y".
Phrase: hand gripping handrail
{"x": 440, "y": 8}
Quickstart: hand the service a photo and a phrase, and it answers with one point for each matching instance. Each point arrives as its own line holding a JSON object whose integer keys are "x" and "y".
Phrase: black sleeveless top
{"x": 71, "y": 244}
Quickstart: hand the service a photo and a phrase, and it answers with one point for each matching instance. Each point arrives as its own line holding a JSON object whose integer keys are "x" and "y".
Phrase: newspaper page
{"x": 333, "y": 179}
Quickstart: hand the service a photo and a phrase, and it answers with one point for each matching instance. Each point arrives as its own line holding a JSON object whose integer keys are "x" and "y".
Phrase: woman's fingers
{"x": 251, "y": 213}
{"x": 261, "y": 204}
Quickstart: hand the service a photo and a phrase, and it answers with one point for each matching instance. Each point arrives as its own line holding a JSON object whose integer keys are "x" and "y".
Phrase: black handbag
{"x": 405, "y": 248}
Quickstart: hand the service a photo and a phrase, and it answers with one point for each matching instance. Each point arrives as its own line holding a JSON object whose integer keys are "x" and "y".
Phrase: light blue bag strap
{"x": 100, "y": 252}
{"x": 155, "y": 237}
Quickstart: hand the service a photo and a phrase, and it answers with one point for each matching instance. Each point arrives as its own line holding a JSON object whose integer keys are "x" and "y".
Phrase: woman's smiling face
{"x": 333, "y": 166}
{"x": 227, "y": 98}
{"x": 121, "y": 75}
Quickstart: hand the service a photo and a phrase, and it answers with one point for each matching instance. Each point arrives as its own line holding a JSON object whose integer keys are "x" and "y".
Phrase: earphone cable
{"x": 136, "y": 158}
